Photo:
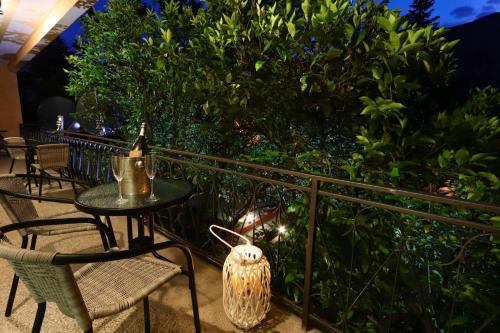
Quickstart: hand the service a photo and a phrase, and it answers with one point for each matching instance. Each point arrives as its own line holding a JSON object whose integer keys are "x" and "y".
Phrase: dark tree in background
{"x": 43, "y": 77}
{"x": 420, "y": 13}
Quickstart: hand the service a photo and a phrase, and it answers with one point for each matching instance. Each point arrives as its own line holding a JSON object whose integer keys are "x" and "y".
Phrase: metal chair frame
{"x": 49, "y": 221}
{"x": 68, "y": 259}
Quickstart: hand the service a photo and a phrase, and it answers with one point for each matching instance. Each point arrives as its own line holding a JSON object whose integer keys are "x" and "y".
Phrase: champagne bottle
{"x": 140, "y": 146}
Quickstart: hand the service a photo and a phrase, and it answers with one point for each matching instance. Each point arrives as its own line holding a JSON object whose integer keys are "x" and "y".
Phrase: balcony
{"x": 170, "y": 306}
{"x": 289, "y": 215}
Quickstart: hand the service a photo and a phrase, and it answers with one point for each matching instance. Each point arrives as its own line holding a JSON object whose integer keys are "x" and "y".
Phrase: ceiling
{"x": 27, "y": 26}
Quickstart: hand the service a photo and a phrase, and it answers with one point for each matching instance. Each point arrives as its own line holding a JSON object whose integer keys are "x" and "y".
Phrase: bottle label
{"x": 135, "y": 153}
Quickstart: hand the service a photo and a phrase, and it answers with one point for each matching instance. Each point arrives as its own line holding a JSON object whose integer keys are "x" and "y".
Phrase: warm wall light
{"x": 246, "y": 282}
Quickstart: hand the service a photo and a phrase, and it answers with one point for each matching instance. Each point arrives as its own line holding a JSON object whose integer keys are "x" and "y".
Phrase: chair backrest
{"x": 47, "y": 282}
{"x": 53, "y": 156}
{"x": 16, "y": 153}
{"x": 18, "y": 209}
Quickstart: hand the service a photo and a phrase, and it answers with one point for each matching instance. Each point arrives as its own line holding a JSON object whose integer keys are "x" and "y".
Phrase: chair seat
{"x": 110, "y": 287}
{"x": 61, "y": 229}
{"x": 18, "y": 155}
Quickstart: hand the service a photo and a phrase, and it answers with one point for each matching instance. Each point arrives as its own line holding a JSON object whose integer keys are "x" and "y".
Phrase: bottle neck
{"x": 142, "y": 131}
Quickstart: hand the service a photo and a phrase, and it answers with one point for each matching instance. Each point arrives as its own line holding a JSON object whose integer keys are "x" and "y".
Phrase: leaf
{"x": 478, "y": 156}
{"x": 458, "y": 321}
{"x": 363, "y": 139}
{"x": 305, "y": 9}
{"x": 288, "y": 6}
{"x": 369, "y": 109}
{"x": 403, "y": 122}
{"x": 303, "y": 82}
{"x": 168, "y": 36}
{"x": 442, "y": 161}
{"x": 394, "y": 172}
{"x": 349, "y": 31}
{"x": 488, "y": 175}
{"x": 462, "y": 156}
{"x": 384, "y": 23}
{"x": 376, "y": 72}
{"x": 411, "y": 47}
{"x": 382, "y": 248}
{"x": 267, "y": 45}
{"x": 259, "y": 64}
{"x": 394, "y": 106}
{"x": 291, "y": 29}
{"x": 367, "y": 100}
{"x": 333, "y": 53}
{"x": 427, "y": 66}
{"x": 290, "y": 277}
{"x": 394, "y": 39}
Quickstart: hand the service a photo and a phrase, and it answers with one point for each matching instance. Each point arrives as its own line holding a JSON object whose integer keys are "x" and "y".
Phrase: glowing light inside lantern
{"x": 281, "y": 229}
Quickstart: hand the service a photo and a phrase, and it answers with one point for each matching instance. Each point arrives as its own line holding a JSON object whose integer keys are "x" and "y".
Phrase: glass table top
{"x": 101, "y": 199}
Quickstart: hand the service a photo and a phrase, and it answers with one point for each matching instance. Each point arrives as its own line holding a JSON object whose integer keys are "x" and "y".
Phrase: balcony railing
{"x": 345, "y": 255}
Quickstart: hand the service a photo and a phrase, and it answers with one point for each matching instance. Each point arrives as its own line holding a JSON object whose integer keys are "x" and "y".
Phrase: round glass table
{"x": 101, "y": 201}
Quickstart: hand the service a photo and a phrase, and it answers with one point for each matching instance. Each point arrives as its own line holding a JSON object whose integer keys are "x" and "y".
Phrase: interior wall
{"x": 10, "y": 105}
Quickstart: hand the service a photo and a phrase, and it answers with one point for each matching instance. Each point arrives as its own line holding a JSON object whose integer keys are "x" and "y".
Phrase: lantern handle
{"x": 230, "y": 231}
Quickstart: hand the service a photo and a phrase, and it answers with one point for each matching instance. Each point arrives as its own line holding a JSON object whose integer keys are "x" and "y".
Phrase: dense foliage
{"x": 325, "y": 86}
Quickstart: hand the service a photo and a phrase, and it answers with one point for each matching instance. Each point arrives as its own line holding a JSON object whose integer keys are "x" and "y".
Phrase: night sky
{"x": 451, "y": 12}
{"x": 455, "y": 12}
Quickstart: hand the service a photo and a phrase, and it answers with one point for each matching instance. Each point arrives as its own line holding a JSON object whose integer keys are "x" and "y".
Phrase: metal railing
{"x": 317, "y": 210}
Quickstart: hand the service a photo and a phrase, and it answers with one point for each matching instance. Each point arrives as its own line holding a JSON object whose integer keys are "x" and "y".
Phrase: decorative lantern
{"x": 246, "y": 282}
{"x": 60, "y": 123}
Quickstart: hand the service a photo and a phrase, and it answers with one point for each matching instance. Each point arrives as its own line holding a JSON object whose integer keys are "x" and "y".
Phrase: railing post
{"x": 311, "y": 241}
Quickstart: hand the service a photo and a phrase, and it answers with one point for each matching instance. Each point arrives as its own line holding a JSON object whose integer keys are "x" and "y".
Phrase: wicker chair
{"x": 20, "y": 208}
{"x": 110, "y": 282}
{"x": 52, "y": 157}
{"x": 15, "y": 153}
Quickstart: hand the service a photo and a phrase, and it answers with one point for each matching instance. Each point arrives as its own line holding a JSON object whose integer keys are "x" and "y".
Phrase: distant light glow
{"x": 250, "y": 217}
{"x": 74, "y": 125}
{"x": 281, "y": 229}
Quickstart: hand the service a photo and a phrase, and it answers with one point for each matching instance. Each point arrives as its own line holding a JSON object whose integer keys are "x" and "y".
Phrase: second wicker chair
{"x": 52, "y": 157}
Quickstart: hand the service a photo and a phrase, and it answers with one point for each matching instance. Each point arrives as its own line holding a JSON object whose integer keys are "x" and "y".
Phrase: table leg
{"x": 141, "y": 240}
{"x": 140, "y": 226}
{"x": 152, "y": 235}
{"x": 28, "y": 171}
{"x": 130, "y": 235}
{"x": 152, "y": 226}
{"x": 112, "y": 241}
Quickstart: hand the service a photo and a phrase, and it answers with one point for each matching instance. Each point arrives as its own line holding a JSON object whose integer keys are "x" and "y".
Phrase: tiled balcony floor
{"x": 170, "y": 306}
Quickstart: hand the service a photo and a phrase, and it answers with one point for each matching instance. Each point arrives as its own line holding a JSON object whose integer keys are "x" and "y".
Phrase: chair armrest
{"x": 64, "y": 220}
{"x": 36, "y": 197}
{"x": 56, "y": 221}
{"x": 66, "y": 258}
{"x": 64, "y": 179}
{"x": 83, "y": 258}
